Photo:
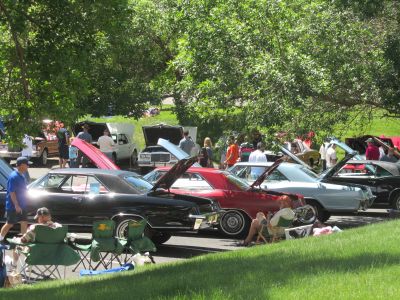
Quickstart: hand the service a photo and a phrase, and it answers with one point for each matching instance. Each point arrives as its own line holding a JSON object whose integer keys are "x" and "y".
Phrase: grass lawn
{"x": 362, "y": 263}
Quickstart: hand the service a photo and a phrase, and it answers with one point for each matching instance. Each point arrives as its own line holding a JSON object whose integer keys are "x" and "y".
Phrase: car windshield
{"x": 239, "y": 182}
{"x": 139, "y": 183}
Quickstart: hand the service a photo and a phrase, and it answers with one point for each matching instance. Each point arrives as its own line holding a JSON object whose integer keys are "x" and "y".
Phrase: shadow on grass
{"x": 236, "y": 275}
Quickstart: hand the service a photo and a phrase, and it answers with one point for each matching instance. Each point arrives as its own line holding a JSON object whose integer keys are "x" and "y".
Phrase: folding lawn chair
{"x": 270, "y": 234}
{"x": 42, "y": 258}
{"x": 103, "y": 249}
{"x": 298, "y": 232}
{"x": 137, "y": 242}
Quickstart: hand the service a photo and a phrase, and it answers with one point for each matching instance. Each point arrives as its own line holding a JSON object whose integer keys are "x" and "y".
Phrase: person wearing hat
{"x": 42, "y": 218}
{"x": 285, "y": 211}
{"x": 372, "y": 152}
{"x": 16, "y": 198}
{"x": 86, "y": 136}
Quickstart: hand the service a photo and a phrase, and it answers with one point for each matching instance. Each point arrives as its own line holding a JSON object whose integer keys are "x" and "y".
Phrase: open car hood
{"x": 332, "y": 171}
{"x": 171, "y": 133}
{"x": 175, "y": 150}
{"x": 5, "y": 171}
{"x": 98, "y": 158}
{"x": 385, "y": 146}
{"x": 294, "y": 157}
{"x": 177, "y": 170}
{"x": 266, "y": 173}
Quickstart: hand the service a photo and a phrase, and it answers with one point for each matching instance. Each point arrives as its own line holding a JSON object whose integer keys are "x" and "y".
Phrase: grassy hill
{"x": 362, "y": 263}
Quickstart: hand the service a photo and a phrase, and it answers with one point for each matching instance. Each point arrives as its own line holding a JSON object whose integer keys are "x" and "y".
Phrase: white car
{"x": 326, "y": 198}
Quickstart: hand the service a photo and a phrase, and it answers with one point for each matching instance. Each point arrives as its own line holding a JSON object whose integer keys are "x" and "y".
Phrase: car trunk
{"x": 153, "y": 133}
{"x": 96, "y": 129}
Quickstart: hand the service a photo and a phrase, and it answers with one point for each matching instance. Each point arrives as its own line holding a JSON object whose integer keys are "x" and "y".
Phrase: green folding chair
{"x": 46, "y": 254}
{"x": 103, "y": 249}
{"x": 269, "y": 234}
{"x": 137, "y": 242}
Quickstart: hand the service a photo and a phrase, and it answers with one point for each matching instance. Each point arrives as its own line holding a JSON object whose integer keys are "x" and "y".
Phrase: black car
{"x": 77, "y": 197}
{"x": 382, "y": 177}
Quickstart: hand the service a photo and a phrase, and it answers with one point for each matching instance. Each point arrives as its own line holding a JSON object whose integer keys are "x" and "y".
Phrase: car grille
{"x": 160, "y": 157}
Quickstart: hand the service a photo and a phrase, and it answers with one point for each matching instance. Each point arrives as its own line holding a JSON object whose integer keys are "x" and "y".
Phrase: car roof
{"x": 195, "y": 169}
{"x": 91, "y": 171}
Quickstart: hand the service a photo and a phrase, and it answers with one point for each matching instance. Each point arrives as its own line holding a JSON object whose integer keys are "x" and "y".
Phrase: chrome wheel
{"x": 234, "y": 223}
{"x": 44, "y": 157}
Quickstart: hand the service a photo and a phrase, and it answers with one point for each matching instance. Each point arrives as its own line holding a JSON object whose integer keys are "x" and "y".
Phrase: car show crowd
{"x": 240, "y": 187}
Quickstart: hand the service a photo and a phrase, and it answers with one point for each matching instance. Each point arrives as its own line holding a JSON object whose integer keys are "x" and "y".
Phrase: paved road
{"x": 188, "y": 245}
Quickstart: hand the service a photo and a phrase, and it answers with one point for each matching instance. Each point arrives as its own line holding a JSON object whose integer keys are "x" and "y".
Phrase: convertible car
{"x": 238, "y": 198}
{"x": 77, "y": 197}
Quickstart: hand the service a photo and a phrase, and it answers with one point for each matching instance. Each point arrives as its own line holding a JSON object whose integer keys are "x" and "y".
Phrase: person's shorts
{"x": 13, "y": 217}
{"x": 63, "y": 151}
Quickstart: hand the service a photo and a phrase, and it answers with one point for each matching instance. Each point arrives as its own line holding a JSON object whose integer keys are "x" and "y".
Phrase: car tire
{"x": 234, "y": 224}
{"x": 121, "y": 230}
{"x": 395, "y": 203}
{"x": 43, "y": 159}
{"x": 322, "y": 214}
{"x": 159, "y": 237}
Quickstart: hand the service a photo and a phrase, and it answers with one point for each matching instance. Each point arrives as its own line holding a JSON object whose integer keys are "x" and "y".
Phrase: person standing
{"x": 372, "y": 152}
{"x": 208, "y": 146}
{"x": 106, "y": 144}
{"x": 331, "y": 157}
{"x": 322, "y": 152}
{"x": 257, "y": 156}
{"x": 28, "y": 146}
{"x": 390, "y": 156}
{"x": 186, "y": 143}
{"x": 86, "y": 136}
{"x": 232, "y": 154}
{"x": 73, "y": 155}
{"x": 63, "y": 141}
{"x": 16, "y": 198}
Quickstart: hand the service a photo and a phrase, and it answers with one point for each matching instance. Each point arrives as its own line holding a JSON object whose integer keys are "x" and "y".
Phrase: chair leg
{"x": 84, "y": 259}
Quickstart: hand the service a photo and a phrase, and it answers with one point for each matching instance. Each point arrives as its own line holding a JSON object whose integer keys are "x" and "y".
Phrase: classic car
{"x": 383, "y": 178}
{"x": 326, "y": 198}
{"x": 239, "y": 199}
{"x": 45, "y": 144}
{"x": 122, "y": 134}
{"x": 77, "y": 197}
{"x": 154, "y": 155}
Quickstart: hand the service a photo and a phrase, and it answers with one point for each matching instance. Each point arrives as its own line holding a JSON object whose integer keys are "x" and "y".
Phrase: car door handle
{"x": 79, "y": 199}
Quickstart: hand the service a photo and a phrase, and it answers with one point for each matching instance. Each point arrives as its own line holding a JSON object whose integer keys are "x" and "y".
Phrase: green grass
{"x": 378, "y": 125}
{"x": 166, "y": 116}
{"x": 361, "y": 263}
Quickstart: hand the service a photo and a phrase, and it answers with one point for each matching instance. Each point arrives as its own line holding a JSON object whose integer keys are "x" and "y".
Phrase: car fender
{"x": 128, "y": 214}
{"x": 393, "y": 193}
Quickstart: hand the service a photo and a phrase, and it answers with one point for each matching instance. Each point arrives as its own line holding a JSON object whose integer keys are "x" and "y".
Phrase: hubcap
{"x": 232, "y": 223}
{"x": 122, "y": 231}
{"x": 398, "y": 203}
{"x": 44, "y": 157}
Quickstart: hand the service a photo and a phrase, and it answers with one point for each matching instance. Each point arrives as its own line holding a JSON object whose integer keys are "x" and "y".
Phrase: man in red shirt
{"x": 232, "y": 154}
{"x": 372, "y": 152}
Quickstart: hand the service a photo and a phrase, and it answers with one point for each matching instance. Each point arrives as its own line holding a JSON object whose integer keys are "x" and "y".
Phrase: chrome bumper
{"x": 207, "y": 220}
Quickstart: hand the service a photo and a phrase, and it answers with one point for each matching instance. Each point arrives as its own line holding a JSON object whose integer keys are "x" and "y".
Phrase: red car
{"x": 240, "y": 200}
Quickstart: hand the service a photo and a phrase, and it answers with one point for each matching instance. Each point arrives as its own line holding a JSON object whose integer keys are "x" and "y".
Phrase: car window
{"x": 153, "y": 176}
{"x": 359, "y": 170}
{"x": 239, "y": 182}
{"x": 51, "y": 181}
{"x": 191, "y": 181}
{"x": 122, "y": 139}
{"x": 114, "y": 137}
{"x": 276, "y": 176}
{"x": 241, "y": 171}
{"x": 81, "y": 184}
{"x": 139, "y": 183}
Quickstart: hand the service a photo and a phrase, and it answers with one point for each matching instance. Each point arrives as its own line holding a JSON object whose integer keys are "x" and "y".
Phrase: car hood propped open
{"x": 171, "y": 133}
{"x": 100, "y": 160}
{"x": 332, "y": 171}
{"x": 266, "y": 173}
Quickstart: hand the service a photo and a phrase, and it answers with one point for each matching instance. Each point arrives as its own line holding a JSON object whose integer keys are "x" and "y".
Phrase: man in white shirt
{"x": 106, "y": 143}
{"x": 257, "y": 156}
{"x": 331, "y": 157}
{"x": 322, "y": 152}
{"x": 28, "y": 146}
